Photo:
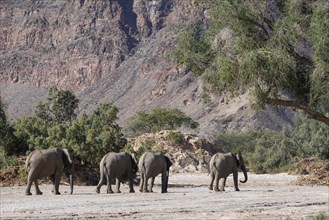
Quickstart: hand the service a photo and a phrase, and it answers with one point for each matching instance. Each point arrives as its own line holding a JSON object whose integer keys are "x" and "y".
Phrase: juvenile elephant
{"x": 48, "y": 163}
{"x": 119, "y": 166}
{"x": 222, "y": 165}
{"x": 150, "y": 165}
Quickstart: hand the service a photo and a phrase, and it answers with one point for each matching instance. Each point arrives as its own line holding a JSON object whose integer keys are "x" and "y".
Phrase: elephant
{"x": 150, "y": 165}
{"x": 222, "y": 165}
{"x": 48, "y": 163}
{"x": 120, "y": 166}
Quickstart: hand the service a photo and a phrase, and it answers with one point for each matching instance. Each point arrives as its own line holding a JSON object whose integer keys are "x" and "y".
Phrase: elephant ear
{"x": 133, "y": 163}
{"x": 237, "y": 157}
{"x": 67, "y": 158}
{"x": 169, "y": 163}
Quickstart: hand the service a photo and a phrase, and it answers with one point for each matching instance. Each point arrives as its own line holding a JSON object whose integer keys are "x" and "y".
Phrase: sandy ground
{"x": 262, "y": 197}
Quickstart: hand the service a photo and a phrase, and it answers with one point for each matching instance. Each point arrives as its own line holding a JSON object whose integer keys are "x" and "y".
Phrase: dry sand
{"x": 262, "y": 197}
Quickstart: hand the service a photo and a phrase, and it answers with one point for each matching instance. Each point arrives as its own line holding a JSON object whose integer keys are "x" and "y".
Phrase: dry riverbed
{"x": 262, "y": 197}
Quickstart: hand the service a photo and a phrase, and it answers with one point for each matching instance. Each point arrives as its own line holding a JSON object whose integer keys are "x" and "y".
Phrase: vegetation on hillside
{"x": 271, "y": 48}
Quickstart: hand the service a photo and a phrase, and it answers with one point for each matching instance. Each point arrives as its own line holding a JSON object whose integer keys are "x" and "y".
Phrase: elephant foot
{"x": 132, "y": 191}
{"x": 57, "y": 193}
{"x": 39, "y": 193}
{"x": 210, "y": 187}
{"x": 237, "y": 189}
{"x": 164, "y": 191}
{"x": 97, "y": 190}
{"x": 28, "y": 193}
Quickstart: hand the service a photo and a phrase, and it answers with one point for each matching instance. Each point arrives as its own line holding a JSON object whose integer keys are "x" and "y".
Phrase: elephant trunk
{"x": 244, "y": 170}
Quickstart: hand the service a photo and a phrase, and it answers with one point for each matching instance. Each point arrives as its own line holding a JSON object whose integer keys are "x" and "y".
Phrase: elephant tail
{"x": 213, "y": 165}
{"x": 106, "y": 172}
{"x": 142, "y": 168}
{"x": 28, "y": 162}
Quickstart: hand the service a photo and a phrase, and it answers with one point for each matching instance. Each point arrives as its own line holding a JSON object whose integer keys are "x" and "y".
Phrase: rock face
{"x": 112, "y": 51}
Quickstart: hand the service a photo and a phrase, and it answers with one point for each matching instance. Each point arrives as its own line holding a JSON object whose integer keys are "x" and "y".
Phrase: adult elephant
{"x": 150, "y": 165}
{"x": 222, "y": 165}
{"x": 48, "y": 163}
{"x": 119, "y": 166}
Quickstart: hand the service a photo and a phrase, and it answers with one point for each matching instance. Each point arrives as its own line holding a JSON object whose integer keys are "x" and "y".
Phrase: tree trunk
{"x": 312, "y": 113}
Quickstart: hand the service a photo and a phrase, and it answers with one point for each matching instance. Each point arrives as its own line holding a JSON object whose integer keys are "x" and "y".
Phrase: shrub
{"x": 270, "y": 152}
{"x": 7, "y": 161}
{"x": 176, "y": 138}
{"x": 93, "y": 135}
{"x": 157, "y": 120}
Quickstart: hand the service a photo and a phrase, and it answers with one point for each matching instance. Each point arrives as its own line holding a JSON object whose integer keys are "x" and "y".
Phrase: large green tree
{"x": 271, "y": 48}
{"x": 8, "y": 141}
{"x": 59, "y": 107}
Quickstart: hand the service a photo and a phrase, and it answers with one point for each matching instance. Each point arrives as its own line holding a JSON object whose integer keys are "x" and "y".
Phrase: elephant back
{"x": 30, "y": 158}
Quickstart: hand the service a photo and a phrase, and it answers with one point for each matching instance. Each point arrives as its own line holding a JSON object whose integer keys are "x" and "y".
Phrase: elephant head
{"x": 241, "y": 165}
{"x": 68, "y": 166}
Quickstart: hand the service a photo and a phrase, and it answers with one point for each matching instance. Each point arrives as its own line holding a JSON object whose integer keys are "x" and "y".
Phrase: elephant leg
{"x": 235, "y": 179}
{"x": 118, "y": 185}
{"x": 52, "y": 179}
{"x": 164, "y": 182}
{"x": 145, "y": 184}
{"x": 38, "y": 192}
{"x": 56, "y": 185}
{"x": 212, "y": 175}
{"x": 109, "y": 187}
{"x": 28, "y": 187}
{"x": 223, "y": 183}
{"x": 141, "y": 185}
{"x": 100, "y": 183}
{"x": 216, "y": 181}
{"x": 152, "y": 184}
{"x": 131, "y": 184}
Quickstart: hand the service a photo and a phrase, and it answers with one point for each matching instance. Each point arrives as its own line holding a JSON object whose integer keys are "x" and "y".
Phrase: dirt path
{"x": 262, "y": 197}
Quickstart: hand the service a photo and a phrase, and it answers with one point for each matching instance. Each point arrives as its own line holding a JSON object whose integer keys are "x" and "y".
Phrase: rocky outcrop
{"x": 188, "y": 152}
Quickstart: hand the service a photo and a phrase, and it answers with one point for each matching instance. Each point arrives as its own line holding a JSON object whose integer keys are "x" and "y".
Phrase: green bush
{"x": 176, "y": 138}
{"x": 7, "y": 161}
{"x": 93, "y": 135}
{"x": 321, "y": 216}
{"x": 157, "y": 120}
{"x": 271, "y": 152}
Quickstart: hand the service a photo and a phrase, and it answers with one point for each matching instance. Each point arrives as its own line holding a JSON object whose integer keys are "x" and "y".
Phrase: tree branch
{"x": 287, "y": 103}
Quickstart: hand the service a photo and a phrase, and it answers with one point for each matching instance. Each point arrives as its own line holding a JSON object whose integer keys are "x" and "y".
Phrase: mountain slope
{"x": 117, "y": 51}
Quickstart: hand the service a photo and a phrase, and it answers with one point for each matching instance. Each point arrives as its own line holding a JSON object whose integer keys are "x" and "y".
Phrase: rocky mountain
{"x": 116, "y": 51}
